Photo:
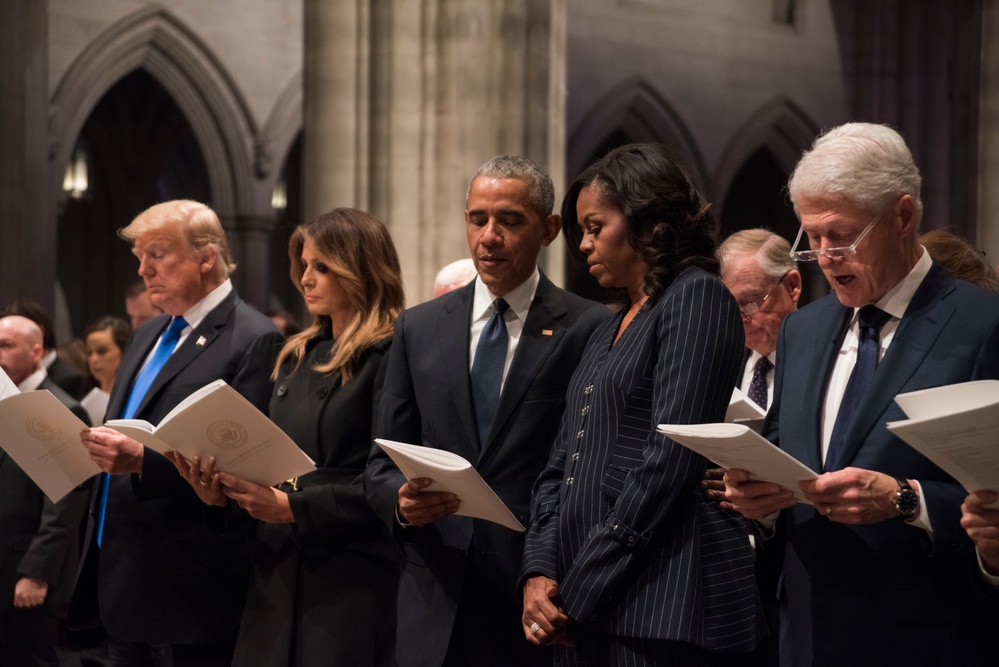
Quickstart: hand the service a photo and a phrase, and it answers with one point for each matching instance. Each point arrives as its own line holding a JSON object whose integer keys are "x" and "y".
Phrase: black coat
{"x": 323, "y": 590}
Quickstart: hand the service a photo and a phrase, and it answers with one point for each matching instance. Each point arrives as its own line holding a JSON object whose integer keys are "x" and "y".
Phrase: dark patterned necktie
{"x": 487, "y": 370}
{"x": 144, "y": 380}
{"x": 758, "y": 385}
{"x": 872, "y": 319}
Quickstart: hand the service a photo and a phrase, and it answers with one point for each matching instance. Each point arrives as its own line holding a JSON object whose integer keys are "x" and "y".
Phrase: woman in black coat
{"x": 323, "y": 588}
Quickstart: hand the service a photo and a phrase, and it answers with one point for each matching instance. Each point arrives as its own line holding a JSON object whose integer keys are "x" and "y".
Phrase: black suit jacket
{"x": 884, "y": 592}
{"x": 67, "y": 377}
{"x": 427, "y": 400}
{"x": 161, "y": 575}
{"x": 38, "y": 538}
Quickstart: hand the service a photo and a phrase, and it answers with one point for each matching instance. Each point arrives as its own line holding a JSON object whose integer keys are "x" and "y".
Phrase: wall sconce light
{"x": 75, "y": 181}
{"x": 279, "y": 198}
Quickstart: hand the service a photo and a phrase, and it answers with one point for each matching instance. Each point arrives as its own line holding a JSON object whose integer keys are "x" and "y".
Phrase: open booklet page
{"x": 738, "y": 446}
{"x": 452, "y": 473}
{"x": 217, "y": 421}
{"x": 957, "y": 427}
{"x": 43, "y": 438}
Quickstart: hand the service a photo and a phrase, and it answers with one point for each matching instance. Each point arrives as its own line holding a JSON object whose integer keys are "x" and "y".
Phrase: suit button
{"x": 282, "y": 390}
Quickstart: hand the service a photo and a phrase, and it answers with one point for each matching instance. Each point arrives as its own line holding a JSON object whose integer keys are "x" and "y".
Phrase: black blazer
{"x": 887, "y": 591}
{"x": 161, "y": 575}
{"x": 427, "y": 400}
{"x": 38, "y": 538}
{"x": 618, "y": 518}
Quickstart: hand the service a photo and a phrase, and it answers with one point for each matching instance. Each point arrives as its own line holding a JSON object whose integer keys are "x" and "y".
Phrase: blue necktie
{"x": 168, "y": 341}
{"x": 487, "y": 370}
{"x": 872, "y": 319}
{"x": 758, "y": 385}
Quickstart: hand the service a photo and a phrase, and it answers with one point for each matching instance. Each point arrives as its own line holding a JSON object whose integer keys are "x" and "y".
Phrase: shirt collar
{"x": 896, "y": 301}
{"x": 31, "y": 382}
{"x": 198, "y": 311}
{"x": 519, "y": 298}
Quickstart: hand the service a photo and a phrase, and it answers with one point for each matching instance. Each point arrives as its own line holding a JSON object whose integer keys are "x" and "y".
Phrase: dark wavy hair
{"x": 669, "y": 221}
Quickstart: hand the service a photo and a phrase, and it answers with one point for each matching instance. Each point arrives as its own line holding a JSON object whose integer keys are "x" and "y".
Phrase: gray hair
{"x": 773, "y": 252}
{"x": 867, "y": 164}
{"x": 540, "y": 190}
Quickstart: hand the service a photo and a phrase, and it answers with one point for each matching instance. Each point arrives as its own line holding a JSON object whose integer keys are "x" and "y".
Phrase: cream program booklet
{"x": 957, "y": 427}
{"x": 453, "y": 473}
{"x": 738, "y": 446}
{"x": 744, "y": 410}
{"x": 217, "y": 421}
{"x": 43, "y": 438}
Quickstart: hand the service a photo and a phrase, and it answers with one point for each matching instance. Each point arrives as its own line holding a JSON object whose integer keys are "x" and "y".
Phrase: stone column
{"x": 27, "y": 207}
{"x": 988, "y": 127}
{"x": 413, "y": 97}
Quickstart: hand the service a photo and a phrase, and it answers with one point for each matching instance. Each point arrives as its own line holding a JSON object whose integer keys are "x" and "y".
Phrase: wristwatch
{"x": 906, "y": 500}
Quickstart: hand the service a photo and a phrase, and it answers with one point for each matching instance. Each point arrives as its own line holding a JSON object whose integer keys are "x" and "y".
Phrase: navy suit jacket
{"x": 619, "y": 521}
{"x": 886, "y": 591}
{"x": 162, "y": 576}
{"x": 427, "y": 400}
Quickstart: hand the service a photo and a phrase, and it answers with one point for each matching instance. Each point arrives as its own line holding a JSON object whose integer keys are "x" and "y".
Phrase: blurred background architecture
{"x": 272, "y": 111}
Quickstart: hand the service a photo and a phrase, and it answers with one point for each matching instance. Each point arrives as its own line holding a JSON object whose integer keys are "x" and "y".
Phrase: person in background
{"x": 960, "y": 258}
{"x": 626, "y": 562}
{"x": 875, "y": 568}
{"x": 456, "y": 274}
{"x": 480, "y": 372}
{"x": 105, "y": 341}
{"x": 285, "y": 322}
{"x": 147, "y": 546}
{"x": 325, "y": 572}
{"x": 39, "y": 539}
{"x": 138, "y": 304}
{"x": 67, "y": 376}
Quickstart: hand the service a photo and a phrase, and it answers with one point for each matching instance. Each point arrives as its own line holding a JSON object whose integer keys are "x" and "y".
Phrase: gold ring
{"x": 828, "y": 510}
{"x": 534, "y": 628}
{"x": 203, "y": 483}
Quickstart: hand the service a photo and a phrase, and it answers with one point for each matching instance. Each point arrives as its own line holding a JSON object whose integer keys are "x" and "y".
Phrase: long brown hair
{"x": 356, "y": 247}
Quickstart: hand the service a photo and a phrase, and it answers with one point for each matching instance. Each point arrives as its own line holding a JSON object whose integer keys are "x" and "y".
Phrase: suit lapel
{"x": 138, "y": 349}
{"x": 830, "y": 325}
{"x": 918, "y": 330}
{"x": 196, "y": 343}
{"x": 452, "y": 341}
{"x": 539, "y": 337}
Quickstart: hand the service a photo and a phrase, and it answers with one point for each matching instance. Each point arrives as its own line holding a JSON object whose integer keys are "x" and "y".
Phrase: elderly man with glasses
{"x": 877, "y": 565}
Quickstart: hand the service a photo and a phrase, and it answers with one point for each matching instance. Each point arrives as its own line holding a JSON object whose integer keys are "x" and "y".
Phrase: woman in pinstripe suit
{"x": 626, "y": 563}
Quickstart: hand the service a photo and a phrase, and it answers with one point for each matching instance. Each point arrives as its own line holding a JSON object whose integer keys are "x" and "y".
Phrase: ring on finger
{"x": 204, "y": 483}
{"x": 534, "y": 628}
{"x": 829, "y": 510}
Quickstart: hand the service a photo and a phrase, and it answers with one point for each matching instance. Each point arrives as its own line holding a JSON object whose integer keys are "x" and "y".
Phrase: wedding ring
{"x": 828, "y": 510}
{"x": 203, "y": 483}
{"x": 534, "y": 628}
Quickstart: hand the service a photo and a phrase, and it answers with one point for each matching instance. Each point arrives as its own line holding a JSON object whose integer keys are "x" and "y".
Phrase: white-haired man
{"x": 876, "y": 567}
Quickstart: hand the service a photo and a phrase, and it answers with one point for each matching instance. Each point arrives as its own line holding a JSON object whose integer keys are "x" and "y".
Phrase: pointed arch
{"x": 282, "y": 128}
{"x": 154, "y": 40}
{"x": 779, "y": 127}
{"x": 633, "y": 111}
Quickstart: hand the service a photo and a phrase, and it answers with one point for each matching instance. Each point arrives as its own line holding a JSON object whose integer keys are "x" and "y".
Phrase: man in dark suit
{"x": 68, "y": 377}
{"x": 458, "y": 603}
{"x": 163, "y": 586}
{"x": 876, "y": 570}
{"x": 39, "y": 539}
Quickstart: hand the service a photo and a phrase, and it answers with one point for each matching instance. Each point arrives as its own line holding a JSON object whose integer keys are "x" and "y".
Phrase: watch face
{"x": 906, "y": 502}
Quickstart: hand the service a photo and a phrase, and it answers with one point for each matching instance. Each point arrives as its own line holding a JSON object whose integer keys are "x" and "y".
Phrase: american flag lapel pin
{"x": 546, "y": 332}
{"x": 201, "y": 341}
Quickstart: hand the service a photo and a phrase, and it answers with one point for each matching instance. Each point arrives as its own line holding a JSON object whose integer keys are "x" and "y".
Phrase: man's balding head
{"x": 20, "y": 347}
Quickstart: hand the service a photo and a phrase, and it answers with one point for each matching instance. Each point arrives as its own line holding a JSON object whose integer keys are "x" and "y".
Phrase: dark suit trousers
{"x": 27, "y": 637}
{"x": 487, "y": 631}
{"x": 131, "y": 654}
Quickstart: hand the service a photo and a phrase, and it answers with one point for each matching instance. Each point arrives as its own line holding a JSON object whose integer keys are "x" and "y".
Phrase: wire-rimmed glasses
{"x": 830, "y": 253}
{"x": 750, "y": 308}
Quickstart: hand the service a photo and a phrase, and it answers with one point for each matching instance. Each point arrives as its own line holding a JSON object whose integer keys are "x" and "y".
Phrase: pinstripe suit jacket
{"x": 618, "y": 520}
{"x": 897, "y": 593}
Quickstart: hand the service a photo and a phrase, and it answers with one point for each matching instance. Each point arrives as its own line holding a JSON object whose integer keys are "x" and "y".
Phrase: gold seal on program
{"x": 226, "y": 434}
{"x": 40, "y": 427}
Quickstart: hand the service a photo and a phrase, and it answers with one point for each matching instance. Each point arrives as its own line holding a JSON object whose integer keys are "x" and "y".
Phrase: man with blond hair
{"x": 167, "y": 590}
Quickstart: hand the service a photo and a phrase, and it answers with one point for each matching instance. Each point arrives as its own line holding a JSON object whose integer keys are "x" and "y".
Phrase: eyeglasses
{"x": 829, "y": 253}
{"x": 750, "y": 308}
